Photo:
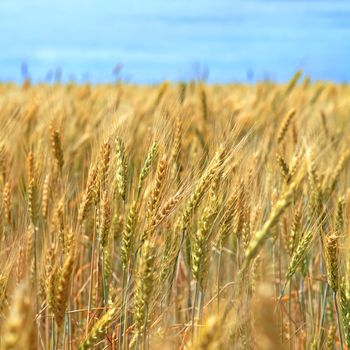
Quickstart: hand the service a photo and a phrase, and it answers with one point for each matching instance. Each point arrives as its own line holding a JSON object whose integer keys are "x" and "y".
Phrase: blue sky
{"x": 244, "y": 40}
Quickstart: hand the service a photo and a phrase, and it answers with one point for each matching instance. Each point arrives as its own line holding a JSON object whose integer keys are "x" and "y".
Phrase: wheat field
{"x": 175, "y": 216}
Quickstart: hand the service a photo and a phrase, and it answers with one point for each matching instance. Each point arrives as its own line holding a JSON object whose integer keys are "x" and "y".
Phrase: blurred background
{"x": 148, "y": 41}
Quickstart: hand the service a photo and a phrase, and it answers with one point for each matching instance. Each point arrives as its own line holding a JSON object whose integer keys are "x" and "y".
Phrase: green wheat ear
{"x": 121, "y": 167}
{"x": 261, "y": 236}
{"x": 146, "y": 167}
